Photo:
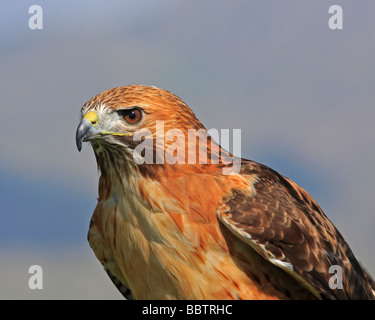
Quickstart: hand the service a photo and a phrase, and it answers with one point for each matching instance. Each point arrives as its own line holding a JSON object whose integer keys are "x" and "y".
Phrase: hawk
{"x": 180, "y": 230}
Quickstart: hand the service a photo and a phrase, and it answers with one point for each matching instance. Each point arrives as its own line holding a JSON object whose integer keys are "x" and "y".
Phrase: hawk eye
{"x": 132, "y": 116}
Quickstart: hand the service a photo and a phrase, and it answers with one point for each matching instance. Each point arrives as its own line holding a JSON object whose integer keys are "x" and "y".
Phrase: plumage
{"x": 188, "y": 231}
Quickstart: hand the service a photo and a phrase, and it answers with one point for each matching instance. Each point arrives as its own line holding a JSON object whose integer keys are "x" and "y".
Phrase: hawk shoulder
{"x": 285, "y": 225}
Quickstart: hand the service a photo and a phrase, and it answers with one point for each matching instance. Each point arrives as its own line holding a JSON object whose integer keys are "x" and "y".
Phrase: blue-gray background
{"x": 302, "y": 94}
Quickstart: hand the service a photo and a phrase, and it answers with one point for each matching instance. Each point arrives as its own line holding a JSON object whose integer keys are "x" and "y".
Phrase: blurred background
{"x": 303, "y": 95}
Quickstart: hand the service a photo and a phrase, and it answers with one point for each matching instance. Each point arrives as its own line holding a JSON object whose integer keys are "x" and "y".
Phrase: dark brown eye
{"x": 132, "y": 116}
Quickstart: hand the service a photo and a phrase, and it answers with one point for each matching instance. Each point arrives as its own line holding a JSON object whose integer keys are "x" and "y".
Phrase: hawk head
{"x": 118, "y": 120}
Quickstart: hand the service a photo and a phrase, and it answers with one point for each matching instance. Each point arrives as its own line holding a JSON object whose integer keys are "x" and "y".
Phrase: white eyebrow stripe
{"x": 99, "y": 108}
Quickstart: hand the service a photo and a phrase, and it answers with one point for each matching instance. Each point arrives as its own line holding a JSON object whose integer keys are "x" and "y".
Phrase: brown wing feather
{"x": 124, "y": 290}
{"x": 287, "y": 224}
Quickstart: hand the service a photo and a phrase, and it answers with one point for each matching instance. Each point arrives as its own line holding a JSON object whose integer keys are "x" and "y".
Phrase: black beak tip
{"x": 79, "y": 139}
{"x": 79, "y": 146}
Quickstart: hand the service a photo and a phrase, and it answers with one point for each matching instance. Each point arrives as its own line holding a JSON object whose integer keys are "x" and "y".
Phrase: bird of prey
{"x": 184, "y": 230}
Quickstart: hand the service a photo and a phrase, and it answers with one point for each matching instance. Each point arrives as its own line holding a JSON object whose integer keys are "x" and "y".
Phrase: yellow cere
{"x": 92, "y": 117}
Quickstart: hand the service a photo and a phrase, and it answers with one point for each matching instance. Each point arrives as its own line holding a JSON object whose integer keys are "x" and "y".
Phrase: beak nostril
{"x": 91, "y": 117}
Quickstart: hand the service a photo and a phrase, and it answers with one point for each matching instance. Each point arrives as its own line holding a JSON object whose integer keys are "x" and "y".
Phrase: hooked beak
{"x": 86, "y": 130}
